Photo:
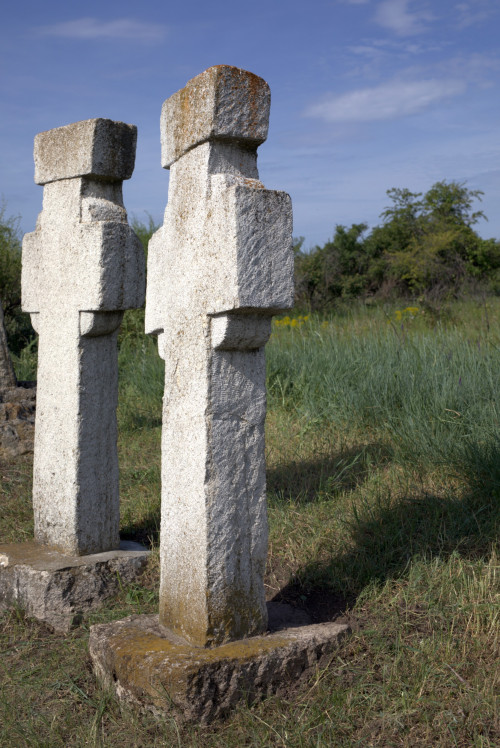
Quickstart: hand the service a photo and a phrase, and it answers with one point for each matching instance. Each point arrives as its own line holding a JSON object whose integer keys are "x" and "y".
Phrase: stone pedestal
{"x": 59, "y": 589}
{"x": 154, "y": 670}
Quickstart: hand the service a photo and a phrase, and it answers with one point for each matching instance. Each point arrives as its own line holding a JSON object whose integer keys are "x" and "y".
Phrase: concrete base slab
{"x": 59, "y": 589}
{"x": 151, "y": 668}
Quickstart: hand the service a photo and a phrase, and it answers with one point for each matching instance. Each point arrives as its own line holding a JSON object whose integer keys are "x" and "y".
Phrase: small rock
{"x": 17, "y": 420}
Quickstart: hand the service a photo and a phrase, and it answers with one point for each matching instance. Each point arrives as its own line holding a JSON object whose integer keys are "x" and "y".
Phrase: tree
{"x": 437, "y": 249}
{"x": 10, "y": 262}
{"x": 145, "y": 230}
{"x": 17, "y": 324}
{"x": 333, "y": 271}
{"x": 403, "y": 219}
{"x": 7, "y": 375}
{"x": 452, "y": 202}
{"x": 425, "y": 244}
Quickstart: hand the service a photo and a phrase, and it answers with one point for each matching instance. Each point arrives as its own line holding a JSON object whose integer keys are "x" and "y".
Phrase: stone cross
{"x": 82, "y": 267}
{"x": 218, "y": 269}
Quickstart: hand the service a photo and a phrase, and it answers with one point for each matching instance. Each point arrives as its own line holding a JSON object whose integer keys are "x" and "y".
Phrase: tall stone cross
{"x": 82, "y": 266}
{"x": 218, "y": 269}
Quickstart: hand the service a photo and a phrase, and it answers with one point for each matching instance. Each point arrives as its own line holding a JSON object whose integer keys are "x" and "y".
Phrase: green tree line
{"x": 426, "y": 245}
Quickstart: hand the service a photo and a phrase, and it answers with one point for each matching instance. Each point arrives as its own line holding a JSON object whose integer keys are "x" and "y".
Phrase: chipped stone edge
{"x": 60, "y": 589}
{"x": 154, "y": 671}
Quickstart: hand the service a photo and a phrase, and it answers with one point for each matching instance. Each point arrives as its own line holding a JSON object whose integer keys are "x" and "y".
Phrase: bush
{"x": 17, "y": 324}
{"x": 425, "y": 246}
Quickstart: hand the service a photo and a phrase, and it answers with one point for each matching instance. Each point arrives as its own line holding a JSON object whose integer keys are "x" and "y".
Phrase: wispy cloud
{"x": 384, "y": 102}
{"x": 93, "y": 28}
{"x": 480, "y": 70}
{"x": 470, "y": 14}
{"x": 396, "y": 16}
{"x": 377, "y": 48}
{"x": 413, "y": 46}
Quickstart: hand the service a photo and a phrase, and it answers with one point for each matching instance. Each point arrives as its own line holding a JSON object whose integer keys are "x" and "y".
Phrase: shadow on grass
{"x": 312, "y": 480}
{"x": 137, "y": 420}
{"x": 385, "y": 533}
{"x": 145, "y": 531}
{"x": 388, "y": 532}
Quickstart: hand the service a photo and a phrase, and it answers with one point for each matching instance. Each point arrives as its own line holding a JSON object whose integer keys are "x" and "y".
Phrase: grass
{"x": 383, "y": 493}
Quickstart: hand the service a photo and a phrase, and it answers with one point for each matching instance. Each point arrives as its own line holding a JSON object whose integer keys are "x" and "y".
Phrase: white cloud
{"x": 395, "y": 16}
{"x": 93, "y": 28}
{"x": 388, "y": 101}
{"x": 470, "y": 14}
{"x": 389, "y": 47}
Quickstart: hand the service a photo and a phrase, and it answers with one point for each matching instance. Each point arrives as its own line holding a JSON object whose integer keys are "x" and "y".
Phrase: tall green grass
{"x": 432, "y": 392}
{"x": 142, "y": 374}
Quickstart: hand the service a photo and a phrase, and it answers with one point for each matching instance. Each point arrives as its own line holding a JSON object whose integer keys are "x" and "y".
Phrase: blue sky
{"x": 366, "y": 94}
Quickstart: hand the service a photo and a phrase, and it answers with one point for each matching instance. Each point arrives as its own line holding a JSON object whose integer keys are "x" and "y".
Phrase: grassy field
{"x": 383, "y": 454}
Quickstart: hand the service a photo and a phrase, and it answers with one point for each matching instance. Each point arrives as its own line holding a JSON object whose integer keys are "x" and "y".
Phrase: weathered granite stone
{"x": 82, "y": 267}
{"x": 58, "y": 589}
{"x": 224, "y": 103}
{"x": 150, "y": 668}
{"x": 95, "y": 148}
{"x": 218, "y": 269}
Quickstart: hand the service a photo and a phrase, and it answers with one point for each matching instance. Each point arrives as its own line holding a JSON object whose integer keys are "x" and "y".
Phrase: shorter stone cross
{"x": 82, "y": 267}
{"x": 218, "y": 269}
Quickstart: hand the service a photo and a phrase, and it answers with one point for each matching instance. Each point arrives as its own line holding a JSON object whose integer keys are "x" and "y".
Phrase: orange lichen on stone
{"x": 222, "y": 103}
{"x": 152, "y": 669}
